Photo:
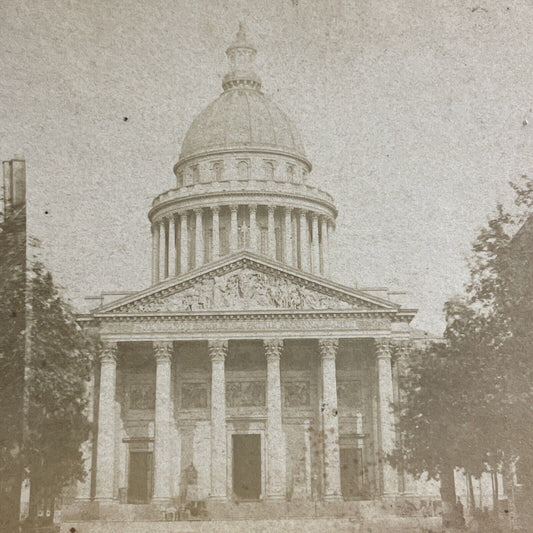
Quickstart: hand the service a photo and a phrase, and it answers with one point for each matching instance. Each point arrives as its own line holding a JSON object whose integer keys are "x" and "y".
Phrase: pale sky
{"x": 414, "y": 114}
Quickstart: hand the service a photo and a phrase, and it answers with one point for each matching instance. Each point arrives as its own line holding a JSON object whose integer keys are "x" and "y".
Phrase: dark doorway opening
{"x": 247, "y": 466}
{"x": 140, "y": 477}
{"x": 351, "y": 472}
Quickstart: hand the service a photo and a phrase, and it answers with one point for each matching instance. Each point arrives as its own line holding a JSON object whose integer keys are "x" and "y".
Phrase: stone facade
{"x": 243, "y": 372}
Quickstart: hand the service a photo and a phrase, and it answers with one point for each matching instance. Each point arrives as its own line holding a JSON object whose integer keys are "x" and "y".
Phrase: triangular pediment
{"x": 245, "y": 282}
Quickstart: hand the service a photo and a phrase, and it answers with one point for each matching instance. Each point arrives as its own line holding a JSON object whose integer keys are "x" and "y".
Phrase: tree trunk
{"x": 508, "y": 489}
{"x": 447, "y": 493}
{"x": 471, "y": 498}
{"x": 495, "y": 498}
{"x": 33, "y": 507}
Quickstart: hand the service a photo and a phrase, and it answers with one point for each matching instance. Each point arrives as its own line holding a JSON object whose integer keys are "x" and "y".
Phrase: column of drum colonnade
{"x": 275, "y": 447}
{"x": 171, "y": 237}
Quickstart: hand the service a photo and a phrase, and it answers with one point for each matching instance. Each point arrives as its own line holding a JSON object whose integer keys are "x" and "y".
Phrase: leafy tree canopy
{"x": 466, "y": 401}
{"x": 45, "y": 362}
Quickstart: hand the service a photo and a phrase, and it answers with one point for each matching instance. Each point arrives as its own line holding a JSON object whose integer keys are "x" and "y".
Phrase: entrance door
{"x": 247, "y": 466}
{"x": 351, "y": 472}
{"x": 140, "y": 477}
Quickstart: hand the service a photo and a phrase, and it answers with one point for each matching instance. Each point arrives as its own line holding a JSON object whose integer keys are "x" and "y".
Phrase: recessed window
{"x": 217, "y": 170}
{"x": 269, "y": 170}
{"x": 195, "y": 174}
{"x": 180, "y": 178}
{"x": 243, "y": 170}
{"x": 290, "y": 173}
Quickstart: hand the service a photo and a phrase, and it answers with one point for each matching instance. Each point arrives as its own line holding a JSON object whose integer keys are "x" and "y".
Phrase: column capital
{"x": 383, "y": 348}
{"x": 163, "y": 351}
{"x": 215, "y": 209}
{"x": 288, "y": 209}
{"x": 217, "y": 349}
{"x": 273, "y": 349}
{"x": 182, "y": 212}
{"x": 271, "y": 208}
{"x": 328, "y": 348}
{"x": 109, "y": 353}
{"x": 234, "y": 208}
{"x": 198, "y": 210}
{"x": 252, "y": 207}
{"x": 314, "y": 217}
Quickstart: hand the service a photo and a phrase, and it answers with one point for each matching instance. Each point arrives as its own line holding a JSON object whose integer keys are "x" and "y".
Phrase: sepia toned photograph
{"x": 266, "y": 266}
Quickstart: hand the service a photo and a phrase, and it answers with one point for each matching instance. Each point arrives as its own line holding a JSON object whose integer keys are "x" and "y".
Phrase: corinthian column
{"x": 275, "y": 488}
{"x": 304, "y": 242}
{"x": 199, "y": 243}
{"x": 330, "y": 420}
{"x": 253, "y": 227}
{"x": 216, "y": 232}
{"x": 163, "y": 357}
{"x": 386, "y": 416}
{"x": 271, "y": 232}
{"x": 324, "y": 245}
{"x": 184, "y": 242}
{"x": 171, "y": 246}
{"x": 234, "y": 229}
{"x": 217, "y": 353}
{"x": 163, "y": 256}
{"x": 155, "y": 253}
{"x": 287, "y": 237}
{"x": 105, "y": 450}
{"x": 315, "y": 250}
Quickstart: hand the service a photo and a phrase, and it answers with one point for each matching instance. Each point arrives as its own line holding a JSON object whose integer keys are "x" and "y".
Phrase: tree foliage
{"x": 466, "y": 401}
{"x": 45, "y": 362}
{"x": 61, "y": 363}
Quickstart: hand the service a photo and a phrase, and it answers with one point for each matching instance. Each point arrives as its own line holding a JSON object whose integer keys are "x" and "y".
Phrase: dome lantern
{"x": 241, "y": 55}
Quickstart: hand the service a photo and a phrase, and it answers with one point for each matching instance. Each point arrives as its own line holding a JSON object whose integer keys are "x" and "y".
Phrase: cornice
{"x": 247, "y": 314}
{"x": 227, "y": 197}
{"x": 262, "y": 150}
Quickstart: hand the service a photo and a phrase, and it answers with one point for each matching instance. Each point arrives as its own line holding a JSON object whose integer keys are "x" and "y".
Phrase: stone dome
{"x": 242, "y": 118}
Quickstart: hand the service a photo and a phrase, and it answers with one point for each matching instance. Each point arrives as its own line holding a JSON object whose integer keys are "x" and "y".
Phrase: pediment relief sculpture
{"x": 244, "y": 289}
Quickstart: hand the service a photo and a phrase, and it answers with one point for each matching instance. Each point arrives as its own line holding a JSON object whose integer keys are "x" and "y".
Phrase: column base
{"x": 333, "y": 498}
{"x": 103, "y": 500}
{"x": 218, "y": 499}
{"x": 275, "y": 498}
{"x": 161, "y": 500}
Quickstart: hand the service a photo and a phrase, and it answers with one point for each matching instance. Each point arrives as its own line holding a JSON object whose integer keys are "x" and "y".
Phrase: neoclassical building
{"x": 243, "y": 372}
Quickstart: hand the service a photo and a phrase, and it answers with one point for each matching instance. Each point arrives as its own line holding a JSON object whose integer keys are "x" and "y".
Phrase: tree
{"x": 46, "y": 360}
{"x": 466, "y": 401}
{"x": 436, "y": 414}
{"x": 61, "y": 364}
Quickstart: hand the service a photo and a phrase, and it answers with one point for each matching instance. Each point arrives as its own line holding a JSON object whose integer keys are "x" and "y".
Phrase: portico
{"x": 305, "y": 381}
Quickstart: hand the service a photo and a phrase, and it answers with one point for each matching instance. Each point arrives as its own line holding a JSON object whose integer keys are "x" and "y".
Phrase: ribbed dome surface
{"x": 242, "y": 118}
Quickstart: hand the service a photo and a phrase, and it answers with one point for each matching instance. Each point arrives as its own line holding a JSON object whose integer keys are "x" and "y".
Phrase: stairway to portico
{"x": 249, "y": 517}
{"x": 389, "y": 524}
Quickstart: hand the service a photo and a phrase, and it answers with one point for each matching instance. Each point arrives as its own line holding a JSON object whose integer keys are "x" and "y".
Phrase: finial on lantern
{"x": 241, "y": 54}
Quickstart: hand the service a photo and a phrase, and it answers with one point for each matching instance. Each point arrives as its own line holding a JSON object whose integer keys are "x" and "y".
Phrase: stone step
{"x": 390, "y": 524}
